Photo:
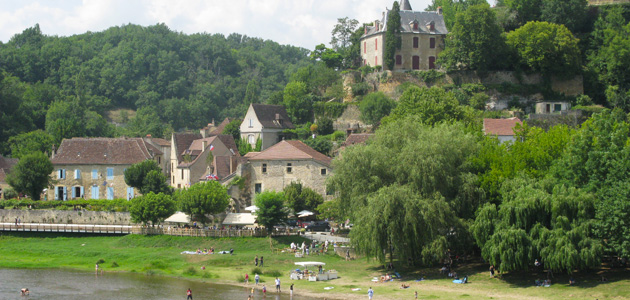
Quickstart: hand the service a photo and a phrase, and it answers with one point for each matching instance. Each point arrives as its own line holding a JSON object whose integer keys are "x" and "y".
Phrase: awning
{"x": 178, "y": 217}
{"x": 309, "y": 263}
{"x": 239, "y": 219}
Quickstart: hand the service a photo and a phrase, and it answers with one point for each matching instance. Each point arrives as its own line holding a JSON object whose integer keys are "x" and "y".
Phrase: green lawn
{"x": 160, "y": 255}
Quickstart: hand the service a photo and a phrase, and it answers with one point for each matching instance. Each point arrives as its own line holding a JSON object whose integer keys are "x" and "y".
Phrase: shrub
{"x": 428, "y": 76}
{"x": 338, "y": 136}
{"x": 330, "y": 110}
{"x": 191, "y": 271}
{"x": 114, "y": 265}
{"x": 100, "y": 261}
{"x": 256, "y": 271}
{"x": 360, "y": 89}
{"x": 272, "y": 273}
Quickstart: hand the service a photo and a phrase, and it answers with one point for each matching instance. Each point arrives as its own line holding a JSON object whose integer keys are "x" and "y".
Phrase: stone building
{"x": 548, "y": 107}
{"x": 503, "y": 129}
{"x": 422, "y": 34}
{"x": 6, "y": 164}
{"x": 93, "y": 168}
{"x": 265, "y": 122}
{"x": 285, "y": 162}
{"x": 165, "y": 147}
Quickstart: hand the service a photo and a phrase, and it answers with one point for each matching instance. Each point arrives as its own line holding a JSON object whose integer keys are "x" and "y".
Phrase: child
{"x": 264, "y": 290}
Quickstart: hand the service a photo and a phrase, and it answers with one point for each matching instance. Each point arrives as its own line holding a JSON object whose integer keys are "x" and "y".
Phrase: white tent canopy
{"x": 305, "y": 212}
{"x": 309, "y": 263}
{"x": 239, "y": 219}
{"x": 178, "y": 217}
{"x": 252, "y": 208}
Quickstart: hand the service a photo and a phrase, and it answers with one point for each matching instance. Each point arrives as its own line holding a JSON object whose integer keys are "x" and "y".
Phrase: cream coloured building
{"x": 265, "y": 122}
{"x": 94, "y": 168}
{"x": 422, "y": 33}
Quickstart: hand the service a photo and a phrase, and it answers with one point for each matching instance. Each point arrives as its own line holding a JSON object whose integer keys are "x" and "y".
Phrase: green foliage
{"x": 147, "y": 176}
{"x": 478, "y": 101}
{"x": 298, "y": 102}
{"x": 451, "y": 8}
{"x": 325, "y": 126}
{"x": 393, "y": 38}
{"x": 330, "y": 57}
{"x": 299, "y": 198}
{"x": 31, "y": 175}
{"x": 525, "y": 10}
{"x": 375, "y": 106}
{"x": 547, "y": 48}
{"x": 475, "y": 41}
{"x": 359, "y": 88}
{"x": 153, "y": 208}
{"x": 203, "y": 199}
{"x": 10, "y": 193}
{"x": 118, "y": 205}
{"x": 320, "y": 143}
{"x": 428, "y": 76}
{"x": 570, "y": 13}
{"x": 343, "y": 40}
{"x": 331, "y": 110}
{"x": 330, "y": 210}
{"x": 27, "y": 143}
{"x": 271, "y": 210}
{"x": 431, "y": 105}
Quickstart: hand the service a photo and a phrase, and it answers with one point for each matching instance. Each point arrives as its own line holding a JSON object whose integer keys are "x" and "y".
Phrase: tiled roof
{"x": 267, "y": 115}
{"x": 291, "y": 150}
{"x": 101, "y": 151}
{"x": 153, "y": 150}
{"x": 424, "y": 18}
{"x": 161, "y": 142}
{"x": 500, "y": 126}
{"x": 357, "y": 138}
{"x": 196, "y": 147}
{"x": 219, "y": 129}
{"x": 229, "y": 142}
{"x": 183, "y": 141}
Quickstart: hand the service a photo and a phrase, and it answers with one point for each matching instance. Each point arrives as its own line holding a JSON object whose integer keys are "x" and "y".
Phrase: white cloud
{"x": 304, "y": 23}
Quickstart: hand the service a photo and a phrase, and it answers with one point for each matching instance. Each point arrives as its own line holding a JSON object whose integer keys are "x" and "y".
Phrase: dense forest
{"x": 172, "y": 81}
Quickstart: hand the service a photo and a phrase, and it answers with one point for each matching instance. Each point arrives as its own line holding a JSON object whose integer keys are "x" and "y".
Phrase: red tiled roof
{"x": 500, "y": 126}
{"x": 292, "y": 150}
{"x": 357, "y": 138}
{"x": 101, "y": 151}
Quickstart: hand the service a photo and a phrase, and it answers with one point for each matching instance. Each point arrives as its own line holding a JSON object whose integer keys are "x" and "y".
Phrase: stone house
{"x": 6, "y": 164}
{"x": 93, "y": 168}
{"x": 265, "y": 122}
{"x": 422, "y": 33}
{"x": 503, "y": 129}
{"x": 165, "y": 147}
{"x": 193, "y": 164}
{"x": 548, "y": 107}
{"x": 283, "y": 163}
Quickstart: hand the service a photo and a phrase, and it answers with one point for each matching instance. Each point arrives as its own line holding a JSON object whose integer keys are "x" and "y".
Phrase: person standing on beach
{"x": 96, "y": 269}
{"x": 277, "y": 284}
{"x": 188, "y": 294}
{"x": 256, "y": 261}
{"x": 246, "y": 278}
{"x": 262, "y": 261}
{"x": 257, "y": 278}
{"x": 370, "y": 293}
{"x": 416, "y": 293}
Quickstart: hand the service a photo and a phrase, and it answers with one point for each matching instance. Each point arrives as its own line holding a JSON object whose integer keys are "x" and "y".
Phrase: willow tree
{"x": 393, "y": 38}
{"x": 539, "y": 220}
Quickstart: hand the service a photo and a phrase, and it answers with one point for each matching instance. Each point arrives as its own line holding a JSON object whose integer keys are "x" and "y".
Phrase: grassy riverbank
{"x": 160, "y": 255}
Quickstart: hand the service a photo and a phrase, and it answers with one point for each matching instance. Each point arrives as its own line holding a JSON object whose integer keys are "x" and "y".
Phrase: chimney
{"x": 205, "y": 144}
{"x": 149, "y": 135}
{"x": 364, "y": 29}
{"x": 54, "y": 151}
{"x": 439, "y": 10}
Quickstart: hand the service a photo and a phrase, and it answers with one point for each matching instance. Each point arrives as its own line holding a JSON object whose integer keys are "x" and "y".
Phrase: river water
{"x": 71, "y": 285}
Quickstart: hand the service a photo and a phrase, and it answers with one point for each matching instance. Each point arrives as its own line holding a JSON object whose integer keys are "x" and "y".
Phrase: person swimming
{"x": 25, "y": 292}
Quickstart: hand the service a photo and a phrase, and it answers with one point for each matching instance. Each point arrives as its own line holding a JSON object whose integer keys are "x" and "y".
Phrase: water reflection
{"x": 70, "y": 285}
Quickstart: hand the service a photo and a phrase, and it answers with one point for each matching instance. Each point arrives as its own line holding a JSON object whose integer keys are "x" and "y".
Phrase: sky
{"x": 303, "y": 23}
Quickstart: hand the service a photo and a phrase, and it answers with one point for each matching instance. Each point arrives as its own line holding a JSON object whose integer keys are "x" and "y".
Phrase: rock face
{"x": 65, "y": 217}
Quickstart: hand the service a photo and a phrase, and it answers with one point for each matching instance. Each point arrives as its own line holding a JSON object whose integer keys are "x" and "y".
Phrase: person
{"x": 264, "y": 290}
{"x": 491, "y": 271}
{"x": 188, "y": 294}
{"x": 246, "y": 278}
{"x": 231, "y": 251}
{"x": 347, "y": 254}
{"x": 249, "y": 297}
{"x": 257, "y": 278}
{"x": 25, "y": 292}
{"x": 291, "y": 290}
{"x": 256, "y": 261}
{"x": 96, "y": 269}
{"x": 404, "y": 286}
{"x": 370, "y": 293}
{"x": 321, "y": 269}
{"x": 277, "y": 284}
{"x": 571, "y": 281}
{"x": 537, "y": 263}
{"x": 416, "y": 294}
{"x": 262, "y": 261}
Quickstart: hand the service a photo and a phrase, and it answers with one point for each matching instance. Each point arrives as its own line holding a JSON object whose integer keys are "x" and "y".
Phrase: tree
{"x": 432, "y": 105}
{"x": 330, "y": 57}
{"x": 234, "y": 129}
{"x": 374, "y": 107}
{"x": 27, "y": 143}
{"x": 547, "y": 48}
{"x": 65, "y": 120}
{"x": 298, "y": 102}
{"x": 325, "y": 126}
{"x": 570, "y": 13}
{"x": 271, "y": 210}
{"x": 152, "y": 208}
{"x": 526, "y": 10}
{"x": 475, "y": 41}
{"x": 31, "y": 175}
{"x": 299, "y": 198}
{"x": 393, "y": 38}
{"x": 202, "y": 199}
{"x": 342, "y": 40}
{"x": 320, "y": 144}
{"x": 147, "y": 177}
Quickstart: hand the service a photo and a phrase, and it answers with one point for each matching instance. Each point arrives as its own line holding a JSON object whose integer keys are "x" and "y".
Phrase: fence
{"x": 69, "y": 228}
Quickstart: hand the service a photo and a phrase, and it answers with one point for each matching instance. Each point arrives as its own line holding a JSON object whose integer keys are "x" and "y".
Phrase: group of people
{"x": 256, "y": 278}
{"x": 206, "y": 251}
{"x": 256, "y": 261}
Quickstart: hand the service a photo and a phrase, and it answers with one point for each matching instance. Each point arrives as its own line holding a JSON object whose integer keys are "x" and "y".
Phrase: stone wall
{"x": 65, "y": 217}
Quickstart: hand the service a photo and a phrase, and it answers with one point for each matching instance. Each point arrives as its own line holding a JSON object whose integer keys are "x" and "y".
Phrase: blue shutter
{"x": 110, "y": 173}
{"x": 82, "y": 191}
{"x": 65, "y": 193}
{"x": 73, "y": 193}
{"x": 110, "y": 193}
{"x": 94, "y": 174}
{"x": 77, "y": 174}
{"x": 56, "y": 193}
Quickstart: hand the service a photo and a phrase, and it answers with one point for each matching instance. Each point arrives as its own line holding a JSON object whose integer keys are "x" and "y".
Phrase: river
{"x": 53, "y": 284}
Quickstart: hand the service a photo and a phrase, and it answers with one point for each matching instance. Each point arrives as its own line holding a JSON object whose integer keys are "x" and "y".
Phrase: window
{"x": 77, "y": 192}
{"x": 110, "y": 193}
{"x": 77, "y": 174}
{"x": 159, "y": 159}
{"x": 415, "y": 62}
{"x": 94, "y": 174}
{"x": 289, "y": 168}
{"x": 129, "y": 193}
{"x": 398, "y": 60}
{"x": 415, "y": 26}
{"x": 375, "y": 44}
{"x": 251, "y": 140}
{"x": 432, "y": 26}
{"x": 432, "y": 43}
{"x": 251, "y": 123}
{"x": 110, "y": 173}
{"x": 60, "y": 193}
{"x": 431, "y": 62}
{"x": 264, "y": 168}
{"x": 173, "y": 182}
{"x": 258, "y": 188}
{"x": 557, "y": 107}
{"x": 548, "y": 108}
{"x": 364, "y": 47}
{"x": 95, "y": 192}
{"x": 323, "y": 171}
{"x": 415, "y": 42}
{"x": 182, "y": 170}
{"x": 61, "y": 174}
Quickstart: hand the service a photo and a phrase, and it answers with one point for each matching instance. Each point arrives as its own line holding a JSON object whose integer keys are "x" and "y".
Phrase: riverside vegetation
{"x": 160, "y": 255}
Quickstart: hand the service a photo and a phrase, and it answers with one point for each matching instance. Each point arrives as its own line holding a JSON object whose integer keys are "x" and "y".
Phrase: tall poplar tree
{"x": 393, "y": 40}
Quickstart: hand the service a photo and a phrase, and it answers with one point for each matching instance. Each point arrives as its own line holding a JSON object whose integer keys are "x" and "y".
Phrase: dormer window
{"x": 431, "y": 26}
{"x": 414, "y": 25}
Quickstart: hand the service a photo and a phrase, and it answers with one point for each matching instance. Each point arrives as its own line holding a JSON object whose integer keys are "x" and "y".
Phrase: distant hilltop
{"x": 607, "y": 2}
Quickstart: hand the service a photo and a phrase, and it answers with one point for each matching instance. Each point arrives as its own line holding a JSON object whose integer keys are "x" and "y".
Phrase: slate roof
{"x": 500, "y": 126}
{"x": 221, "y": 126}
{"x": 102, "y": 151}
{"x": 5, "y": 166}
{"x": 404, "y": 5}
{"x": 291, "y": 150}
{"x": 407, "y": 16}
{"x": 161, "y": 142}
{"x": 196, "y": 147}
{"x": 182, "y": 141}
{"x": 267, "y": 114}
{"x": 357, "y": 138}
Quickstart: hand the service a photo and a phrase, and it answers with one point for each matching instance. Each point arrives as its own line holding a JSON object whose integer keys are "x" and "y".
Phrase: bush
{"x": 191, "y": 271}
{"x": 256, "y": 271}
{"x": 360, "y": 89}
{"x": 114, "y": 265}
{"x": 325, "y": 126}
{"x": 429, "y": 76}
{"x": 100, "y": 261}
{"x": 272, "y": 273}
{"x": 338, "y": 136}
{"x": 366, "y": 70}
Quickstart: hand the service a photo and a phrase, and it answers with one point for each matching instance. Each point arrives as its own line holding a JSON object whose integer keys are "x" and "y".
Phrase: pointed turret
{"x": 404, "y": 5}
